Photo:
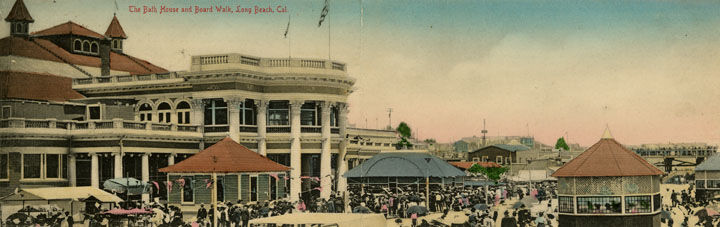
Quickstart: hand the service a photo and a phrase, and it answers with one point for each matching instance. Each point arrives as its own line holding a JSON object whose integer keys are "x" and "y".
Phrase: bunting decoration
{"x": 208, "y": 183}
{"x": 287, "y": 178}
{"x": 304, "y": 177}
{"x": 317, "y": 179}
{"x": 324, "y": 13}
{"x": 157, "y": 186}
{"x": 169, "y": 186}
{"x": 318, "y": 188}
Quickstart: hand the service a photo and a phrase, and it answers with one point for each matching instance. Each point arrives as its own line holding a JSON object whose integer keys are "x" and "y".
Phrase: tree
{"x": 561, "y": 144}
{"x": 492, "y": 173}
{"x": 430, "y": 141}
{"x": 404, "y": 130}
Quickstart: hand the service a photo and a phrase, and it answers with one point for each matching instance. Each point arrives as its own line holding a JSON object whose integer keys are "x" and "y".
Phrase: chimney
{"x": 105, "y": 57}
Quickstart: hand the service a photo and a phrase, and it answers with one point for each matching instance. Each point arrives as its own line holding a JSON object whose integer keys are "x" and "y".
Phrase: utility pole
{"x": 390, "y": 117}
{"x": 484, "y": 131}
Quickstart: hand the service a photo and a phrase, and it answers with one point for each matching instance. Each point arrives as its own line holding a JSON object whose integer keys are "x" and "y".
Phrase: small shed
{"x": 502, "y": 154}
{"x": 608, "y": 185}
{"x": 241, "y": 174}
{"x": 707, "y": 179}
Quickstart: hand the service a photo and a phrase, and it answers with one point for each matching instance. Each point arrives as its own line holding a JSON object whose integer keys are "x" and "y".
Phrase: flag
{"x": 287, "y": 29}
{"x": 169, "y": 186}
{"x": 181, "y": 181}
{"x": 274, "y": 175}
{"x": 324, "y": 13}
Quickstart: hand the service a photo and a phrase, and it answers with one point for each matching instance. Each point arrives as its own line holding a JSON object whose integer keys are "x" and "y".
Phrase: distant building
{"x": 707, "y": 179}
{"x": 499, "y": 153}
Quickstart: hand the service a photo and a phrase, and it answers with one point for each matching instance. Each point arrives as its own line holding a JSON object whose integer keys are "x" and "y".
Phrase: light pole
{"x": 427, "y": 182}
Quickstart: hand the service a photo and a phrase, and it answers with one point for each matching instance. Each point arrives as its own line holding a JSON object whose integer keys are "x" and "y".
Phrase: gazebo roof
{"x": 712, "y": 163}
{"x": 404, "y": 164}
{"x": 226, "y": 156}
{"x": 607, "y": 158}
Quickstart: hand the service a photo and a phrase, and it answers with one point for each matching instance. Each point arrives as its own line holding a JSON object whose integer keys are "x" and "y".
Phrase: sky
{"x": 648, "y": 70}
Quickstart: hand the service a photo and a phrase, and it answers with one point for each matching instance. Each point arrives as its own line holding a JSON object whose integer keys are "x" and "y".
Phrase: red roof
{"x": 19, "y": 13}
{"x": 607, "y": 158}
{"x": 42, "y": 49}
{"x": 34, "y": 86}
{"x": 69, "y": 28}
{"x": 226, "y": 156}
{"x": 467, "y": 165}
{"x": 115, "y": 30}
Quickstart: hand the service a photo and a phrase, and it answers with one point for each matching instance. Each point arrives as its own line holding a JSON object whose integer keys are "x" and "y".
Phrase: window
{"x": 31, "y": 165}
{"x": 4, "y": 167}
{"x": 713, "y": 184}
{"x": 499, "y": 159}
{"x": 484, "y": 158}
{"x": 507, "y": 160}
{"x": 700, "y": 183}
{"x": 247, "y": 113}
{"x": 187, "y": 194}
{"x": 6, "y": 112}
{"x": 599, "y": 205}
{"x": 273, "y": 188}
{"x": 86, "y": 46}
{"x": 334, "y": 117}
{"x": 145, "y": 112}
{"x": 77, "y": 45}
{"x": 637, "y": 204}
{"x": 657, "y": 201}
{"x": 476, "y": 159}
{"x": 278, "y": 113}
{"x": 565, "y": 204}
{"x": 216, "y": 112}
{"x": 94, "y": 112}
{"x": 309, "y": 114}
{"x": 115, "y": 44}
{"x": 94, "y": 47}
{"x": 52, "y": 166}
{"x": 183, "y": 113}
{"x": 164, "y": 113}
{"x": 253, "y": 188}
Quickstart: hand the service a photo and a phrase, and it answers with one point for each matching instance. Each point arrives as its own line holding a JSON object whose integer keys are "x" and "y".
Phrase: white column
{"x": 94, "y": 171}
{"x": 325, "y": 157}
{"x": 72, "y": 177}
{"x": 198, "y": 114}
{"x": 171, "y": 159}
{"x": 118, "y": 165}
{"x": 342, "y": 148}
{"x": 146, "y": 173}
{"x": 262, "y": 126}
{"x": 234, "y": 117}
{"x": 295, "y": 152}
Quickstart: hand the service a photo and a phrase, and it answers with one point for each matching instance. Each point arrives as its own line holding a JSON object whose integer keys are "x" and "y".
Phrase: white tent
{"x": 66, "y": 198}
{"x": 338, "y": 219}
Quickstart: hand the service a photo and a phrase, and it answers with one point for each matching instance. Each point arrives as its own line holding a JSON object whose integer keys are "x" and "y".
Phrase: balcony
{"x": 249, "y": 128}
{"x": 219, "y": 59}
{"x": 79, "y": 126}
{"x": 216, "y": 128}
{"x": 278, "y": 129}
{"x": 311, "y": 129}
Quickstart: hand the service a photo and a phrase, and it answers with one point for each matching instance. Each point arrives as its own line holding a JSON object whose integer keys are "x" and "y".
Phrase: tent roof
{"x": 710, "y": 164}
{"x": 114, "y": 30}
{"x": 607, "y": 158}
{"x": 62, "y": 193}
{"x": 226, "y": 156}
{"x": 404, "y": 164}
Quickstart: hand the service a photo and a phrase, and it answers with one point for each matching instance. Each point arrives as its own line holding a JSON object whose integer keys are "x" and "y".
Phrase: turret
{"x": 19, "y": 19}
{"x": 116, "y": 34}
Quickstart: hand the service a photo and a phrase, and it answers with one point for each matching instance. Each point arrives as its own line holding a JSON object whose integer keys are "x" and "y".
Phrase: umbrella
{"x": 419, "y": 210}
{"x": 665, "y": 214}
{"x": 529, "y": 201}
{"x": 361, "y": 209}
{"x": 707, "y": 212}
{"x": 129, "y": 185}
{"x": 124, "y": 212}
{"x": 518, "y": 204}
{"x": 415, "y": 198}
{"x": 481, "y": 206}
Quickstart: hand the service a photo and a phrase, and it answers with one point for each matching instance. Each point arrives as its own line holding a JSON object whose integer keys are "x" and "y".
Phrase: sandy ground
{"x": 460, "y": 217}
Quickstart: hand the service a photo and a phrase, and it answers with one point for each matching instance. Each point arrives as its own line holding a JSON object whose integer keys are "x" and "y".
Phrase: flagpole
{"x": 328, "y": 23}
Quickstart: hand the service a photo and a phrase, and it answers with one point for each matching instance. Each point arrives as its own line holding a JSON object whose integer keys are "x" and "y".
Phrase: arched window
{"x": 18, "y": 28}
{"x": 77, "y": 45}
{"x": 145, "y": 112}
{"x": 86, "y": 46}
{"x": 164, "y": 112}
{"x": 94, "y": 47}
{"x": 115, "y": 44}
{"x": 183, "y": 113}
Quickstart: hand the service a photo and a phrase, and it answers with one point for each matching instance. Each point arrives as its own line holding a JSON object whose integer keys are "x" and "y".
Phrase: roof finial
{"x": 606, "y": 134}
